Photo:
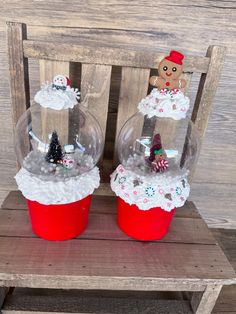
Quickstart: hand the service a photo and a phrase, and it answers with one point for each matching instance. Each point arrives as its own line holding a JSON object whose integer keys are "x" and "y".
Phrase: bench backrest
{"x": 96, "y": 69}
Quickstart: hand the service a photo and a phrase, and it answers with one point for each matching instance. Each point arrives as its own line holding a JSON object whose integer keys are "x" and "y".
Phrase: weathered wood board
{"x": 31, "y": 300}
{"x": 198, "y": 25}
{"x": 51, "y": 121}
{"x": 103, "y": 217}
{"x": 104, "y": 259}
{"x": 49, "y": 300}
{"x": 119, "y": 262}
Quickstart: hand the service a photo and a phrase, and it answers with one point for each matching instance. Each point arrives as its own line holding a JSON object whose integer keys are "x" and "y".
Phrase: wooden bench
{"x": 103, "y": 259}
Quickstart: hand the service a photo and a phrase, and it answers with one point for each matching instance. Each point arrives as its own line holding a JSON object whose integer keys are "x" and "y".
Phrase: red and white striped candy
{"x": 160, "y": 166}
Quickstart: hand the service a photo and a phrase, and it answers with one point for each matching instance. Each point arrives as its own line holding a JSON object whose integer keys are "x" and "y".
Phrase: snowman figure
{"x": 60, "y": 82}
{"x": 68, "y": 160}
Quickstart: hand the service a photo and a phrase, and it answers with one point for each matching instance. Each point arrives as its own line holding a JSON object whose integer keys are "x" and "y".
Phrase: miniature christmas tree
{"x": 54, "y": 153}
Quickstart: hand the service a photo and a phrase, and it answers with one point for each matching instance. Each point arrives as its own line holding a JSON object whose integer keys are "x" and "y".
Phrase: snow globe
{"x": 157, "y": 149}
{"x": 58, "y": 144}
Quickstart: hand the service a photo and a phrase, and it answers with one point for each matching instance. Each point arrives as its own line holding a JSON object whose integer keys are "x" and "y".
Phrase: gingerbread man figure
{"x": 158, "y": 156}
{"x": 169, "y": 69}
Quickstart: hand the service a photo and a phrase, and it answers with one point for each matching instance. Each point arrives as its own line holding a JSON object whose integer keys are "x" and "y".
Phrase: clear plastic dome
{"x": 158, "y": 145}
{"x": 62, "y": 143}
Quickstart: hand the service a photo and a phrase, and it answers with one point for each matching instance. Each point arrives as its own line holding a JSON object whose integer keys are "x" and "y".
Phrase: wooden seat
{"x": 187, "y": 259}
{"x": 104, "y": 258}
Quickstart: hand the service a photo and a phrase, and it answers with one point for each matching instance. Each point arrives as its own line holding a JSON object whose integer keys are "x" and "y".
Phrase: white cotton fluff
{"x": 50, "y": 97}
{"x": 166, "y": 104}
{"x": 64, "y": 191}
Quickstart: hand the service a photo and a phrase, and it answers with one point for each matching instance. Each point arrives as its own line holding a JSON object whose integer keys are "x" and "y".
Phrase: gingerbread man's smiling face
{"x": 158, "y": 157}
{"x": 169, "y": 70}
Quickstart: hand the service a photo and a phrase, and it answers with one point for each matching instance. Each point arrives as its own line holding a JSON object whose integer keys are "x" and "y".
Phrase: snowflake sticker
{"x": 150, "y": 191}
{"x": 122, "y": 180}
{"x": 178, "y": 191}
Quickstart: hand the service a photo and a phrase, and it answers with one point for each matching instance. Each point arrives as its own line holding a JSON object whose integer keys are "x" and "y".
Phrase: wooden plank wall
{"x": 188, "y": 26}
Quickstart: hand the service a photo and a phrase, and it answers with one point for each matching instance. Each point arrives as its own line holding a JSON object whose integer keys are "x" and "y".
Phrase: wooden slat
{"x": 207, "y": 300}
{"x": 134, "y": 86}
{"x": 100, "y": 204}
{"x": 19, "y": 304}
{"x": 221, "y": 213}
{"x": 19, "y": 76}
{"x": 95, "y": 88}
{"x": 14, "y": 200}
{"x": 212, "y": 172}
{"x": 117, "y": 265}
{"x": 185, "y": 152}
{"x": 105, "y": 187}
{"x": 207, "y": 88}
{"x": 52, "y": 119}
{"x": 23, "y": 298}
{"x": 226, "y": 303}
{"x": 187, "y": 76}
{"x": 15, "y": 223}
{"x": 3, "y": 293}
{"x": 227, "y": 241}
{"x": 3, "y": 195}
{"x": 18, "y": 66}
{"x": 104, "y": 55}
{"x": 206, "y": 92}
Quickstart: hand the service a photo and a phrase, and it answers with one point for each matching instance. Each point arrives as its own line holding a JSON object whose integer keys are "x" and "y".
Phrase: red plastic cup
{"x": 144, "y": 225}
{"x": 59, "y": 222}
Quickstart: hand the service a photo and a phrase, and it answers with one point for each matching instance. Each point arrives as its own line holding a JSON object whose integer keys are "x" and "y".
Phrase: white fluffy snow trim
{"x": 50, "y": 97}
{"x": 154, "y": 190}
{"x": 62, "y": 191}
{"x": 165, "y": 103}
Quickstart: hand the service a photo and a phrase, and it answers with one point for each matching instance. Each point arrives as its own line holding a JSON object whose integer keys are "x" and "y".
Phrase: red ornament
{"x": 68, "y": 82}
{"x": 175, "y": 57}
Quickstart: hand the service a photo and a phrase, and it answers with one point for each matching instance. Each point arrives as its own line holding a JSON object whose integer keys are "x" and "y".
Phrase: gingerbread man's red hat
{"x": 175, "y": 57}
